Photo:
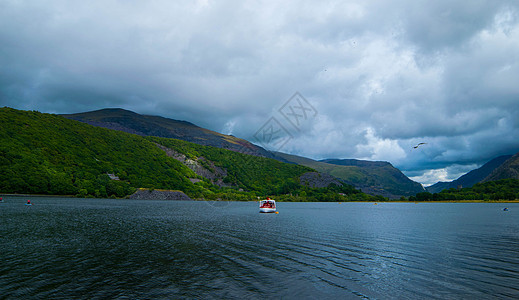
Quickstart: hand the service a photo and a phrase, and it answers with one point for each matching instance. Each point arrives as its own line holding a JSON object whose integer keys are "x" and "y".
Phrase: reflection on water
{"x": 91, "y": 248}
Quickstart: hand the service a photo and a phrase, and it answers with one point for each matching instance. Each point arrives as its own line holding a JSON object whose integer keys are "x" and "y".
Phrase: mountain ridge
{"x": 374, "y": 178}
{"x": 508, "y": 169}
{"x": 148, "y": 125}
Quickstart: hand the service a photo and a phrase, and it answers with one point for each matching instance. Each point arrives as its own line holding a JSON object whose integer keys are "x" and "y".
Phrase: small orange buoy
{"x": 277, "y": 212}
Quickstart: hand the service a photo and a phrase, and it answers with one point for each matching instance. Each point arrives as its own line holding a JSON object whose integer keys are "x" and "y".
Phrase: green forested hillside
{"x": 264, "y": 175}
{"x": 49, "y": 154}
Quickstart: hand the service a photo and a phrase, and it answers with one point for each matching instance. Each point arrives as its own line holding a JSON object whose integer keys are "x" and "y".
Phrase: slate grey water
{"x": 94, "y": 248}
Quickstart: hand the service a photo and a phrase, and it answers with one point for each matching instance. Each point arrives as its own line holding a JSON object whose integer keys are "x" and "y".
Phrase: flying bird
{"x": 419, "y": 145}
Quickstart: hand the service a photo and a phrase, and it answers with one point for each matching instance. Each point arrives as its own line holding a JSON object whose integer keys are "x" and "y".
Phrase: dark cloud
{"x": 443, "y": 25}
{"x": 383, "y": 76}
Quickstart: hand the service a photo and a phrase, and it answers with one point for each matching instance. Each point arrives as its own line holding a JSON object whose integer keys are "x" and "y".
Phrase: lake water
{"x": 96, "y": 248}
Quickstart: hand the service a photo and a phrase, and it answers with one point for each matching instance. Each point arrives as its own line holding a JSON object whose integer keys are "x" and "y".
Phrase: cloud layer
{"x": 382, "y": 76}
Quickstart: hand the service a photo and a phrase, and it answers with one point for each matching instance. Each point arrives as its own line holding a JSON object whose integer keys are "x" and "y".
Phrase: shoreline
{"x": 456, "y": 201}
{"x": 388, "y": 201}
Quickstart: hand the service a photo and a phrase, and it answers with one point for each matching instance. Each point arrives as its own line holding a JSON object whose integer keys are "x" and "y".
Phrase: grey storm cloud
{"x": 381, "y": 75}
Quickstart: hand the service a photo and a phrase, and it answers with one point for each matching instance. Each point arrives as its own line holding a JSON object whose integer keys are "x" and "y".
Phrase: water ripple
{"x": 88, "y": 249}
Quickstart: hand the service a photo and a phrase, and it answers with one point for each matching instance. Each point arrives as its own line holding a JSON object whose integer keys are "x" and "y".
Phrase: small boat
{"x": 267, "y": 206}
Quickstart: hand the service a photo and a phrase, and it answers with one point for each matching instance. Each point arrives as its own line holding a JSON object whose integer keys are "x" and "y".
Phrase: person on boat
{"x": 29, "y": 202}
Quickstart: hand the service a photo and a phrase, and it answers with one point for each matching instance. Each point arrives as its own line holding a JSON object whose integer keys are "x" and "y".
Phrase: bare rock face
{"x": 142, "y": 194}
{"x": 200, "y": 166}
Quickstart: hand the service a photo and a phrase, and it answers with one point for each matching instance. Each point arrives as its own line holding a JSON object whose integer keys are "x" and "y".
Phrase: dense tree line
{"x": 505, "y": 189}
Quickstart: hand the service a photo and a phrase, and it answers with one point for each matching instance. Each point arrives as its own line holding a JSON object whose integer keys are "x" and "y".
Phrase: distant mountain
{"x": 372, "y": 177}
{"x": 383, "y": 174}
{"x": 508, "y": 169}
{"x": 145, "y": 125}
{"x": 472, "y": 177}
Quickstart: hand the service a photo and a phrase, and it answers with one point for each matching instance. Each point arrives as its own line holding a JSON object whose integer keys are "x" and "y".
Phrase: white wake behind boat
{"x": 267, "y": 206}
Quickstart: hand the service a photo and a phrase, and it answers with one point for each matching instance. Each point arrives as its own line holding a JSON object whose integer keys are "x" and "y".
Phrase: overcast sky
{"x": 374, "y": 77}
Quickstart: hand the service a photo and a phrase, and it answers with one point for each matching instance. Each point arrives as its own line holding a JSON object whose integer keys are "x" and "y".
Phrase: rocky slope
{"x": 508, "y": 169}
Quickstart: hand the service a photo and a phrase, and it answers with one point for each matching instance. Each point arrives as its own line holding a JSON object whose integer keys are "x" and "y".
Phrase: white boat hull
{"x": 267, "y": 210}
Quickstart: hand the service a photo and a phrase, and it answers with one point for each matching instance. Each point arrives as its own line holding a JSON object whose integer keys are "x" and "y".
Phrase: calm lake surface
{"x": 96, "y": 248}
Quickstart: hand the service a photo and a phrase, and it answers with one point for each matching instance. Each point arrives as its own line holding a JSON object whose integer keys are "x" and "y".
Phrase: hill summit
{"x": 146, "y": 125}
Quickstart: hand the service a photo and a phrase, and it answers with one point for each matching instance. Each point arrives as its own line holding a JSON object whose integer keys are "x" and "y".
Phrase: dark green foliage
{"x": 262, "y": 175}
{"x": 48, "y": 154}
{"x": 504, "y": 189}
